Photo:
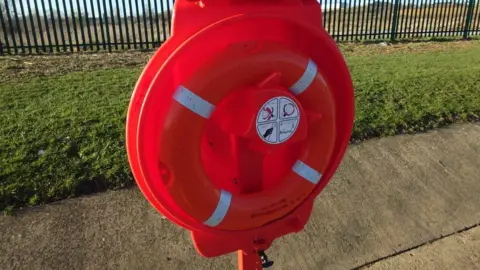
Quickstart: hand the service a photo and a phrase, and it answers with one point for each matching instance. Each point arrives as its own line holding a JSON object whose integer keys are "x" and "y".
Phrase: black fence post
{"x": 396, "y": 9}
{"x": 468, "y": 20}
{"x": 5, "y": 35}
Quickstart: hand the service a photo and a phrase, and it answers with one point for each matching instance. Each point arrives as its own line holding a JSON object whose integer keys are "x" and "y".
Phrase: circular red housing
{"x": 233, "y": 131}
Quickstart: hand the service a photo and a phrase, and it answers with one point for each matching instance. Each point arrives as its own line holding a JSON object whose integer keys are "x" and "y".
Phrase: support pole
{"x": 249, "y": 261}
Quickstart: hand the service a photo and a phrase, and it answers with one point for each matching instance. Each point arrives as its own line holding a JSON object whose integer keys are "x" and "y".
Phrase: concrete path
{"x": 458, "y": 251}
{"x": 405, "y": 202}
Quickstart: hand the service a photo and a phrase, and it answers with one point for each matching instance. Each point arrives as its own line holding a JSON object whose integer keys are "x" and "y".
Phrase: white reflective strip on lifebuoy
{"x": 307, "y": 78}
{"x": 307, "y": 172}
{"x": 193, "y": 102}
{"x": 221, "y": 210}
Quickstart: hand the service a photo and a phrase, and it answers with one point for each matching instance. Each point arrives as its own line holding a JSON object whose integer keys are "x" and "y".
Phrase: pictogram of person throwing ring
{"x": 267, "y": 113}
{"x": 288, "y": 109}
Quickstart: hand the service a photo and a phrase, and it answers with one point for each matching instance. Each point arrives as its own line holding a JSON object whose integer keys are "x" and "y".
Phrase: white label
{"x": 277, "y": 120}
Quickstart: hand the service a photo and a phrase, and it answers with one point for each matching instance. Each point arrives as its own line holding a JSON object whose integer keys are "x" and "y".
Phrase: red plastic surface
{"x": 226, "y": 54}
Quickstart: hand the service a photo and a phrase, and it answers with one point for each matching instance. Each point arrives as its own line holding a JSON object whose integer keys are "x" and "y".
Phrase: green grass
{"x": 78, "y": 119}
{"x": 410, "y": 92}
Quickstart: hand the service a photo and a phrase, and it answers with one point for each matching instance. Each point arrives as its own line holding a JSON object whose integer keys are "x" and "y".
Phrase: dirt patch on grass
{"x": 15, "y": 67}
{"x": 358, "y": 49}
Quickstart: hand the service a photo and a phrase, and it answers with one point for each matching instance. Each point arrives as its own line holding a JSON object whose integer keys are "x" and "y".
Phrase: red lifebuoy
{"x": 241, "y": 123}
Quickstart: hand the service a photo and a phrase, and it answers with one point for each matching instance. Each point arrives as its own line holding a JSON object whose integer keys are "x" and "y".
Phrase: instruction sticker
{"x": 277, "y": 120}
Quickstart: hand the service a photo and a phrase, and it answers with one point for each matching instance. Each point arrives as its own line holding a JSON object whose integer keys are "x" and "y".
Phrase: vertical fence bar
{"x": 100, "y": 20}
{"x": 411, "y": 15}
{"x": 60, "y": 24}
{"x": 145, "y": 25}
{"x": 25, "y": 26}
{"x": 431, "y": 13}
{"x": 477, "y": 19}
{"x": 125, "y": 18}
{"x": 18, "y": 26}
{"x": 11, "y": 28}
{"x": 334, "y": 10}
{"x": 427, "y": 16}
{"x": 382, "y": 20}
{"x": 107, "y": 28}
{"x": 443, "y": 15}
{"x": 32, "y": 25}
{"x": 448, "y": 12}
{"x": 74, "y": 24}
{"x": 401, "y": 20}
{"x": 431, "y": 25}
{"x": 119, "y": 21}
{"x": 133, "y": 24}
{"x": 87, "y": 23}
{"x": 402, "y": 17}
{"x": 80, "y": 22}
{"x": 393, "y": 33}
{"x": 138, "y": 25}
{"x": 452, "y": 21}
{"x": 54, "y": 25}
{"x": 351, "y": 19}
{"x": 322, "y": 11}
{"x": 389, "y": 20}
{"x": 169, "y": 17}
{"x": 378, "y": 21}
{"x": 436, "y": 23}
{"x": 6, "y": 46}
{"x": 376, "y": 7}
{"x": 459, "y": 20}
{"x": 374, "y": 24}
{"x": 357, "y": 8}
{"x": 152, "y": 32}
{"x": 342, "y": 7}
{"x": 157, "y": 23}
{"x": 348, "y": 32}
{"x": 369, "y": 19}
{"x": 341, "y": 20}
{"x": 67, "y": 24}
{"x": 97, "y": 42}
{"x": 441, "y": 19}
{"x": 454, "y": 27}
{"x": 363, "y": 19}
{"x": 329, "y": 30}
{"x": 112, "y": 23}
{"x": 468, "y": 19}
{"x": 47, "y": 28}
{"x": 426, "y": 29}
{"x": 322, "y": 5}
{"x": 451, "y": 18}
{"x": 415, "y": 19}
{"x": 40, "y": 29}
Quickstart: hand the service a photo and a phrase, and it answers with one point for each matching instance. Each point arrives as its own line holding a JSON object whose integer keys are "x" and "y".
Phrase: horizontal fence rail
{"x": 56, "y": 26}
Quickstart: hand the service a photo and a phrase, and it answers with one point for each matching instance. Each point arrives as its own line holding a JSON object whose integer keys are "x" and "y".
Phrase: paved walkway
{"x": 405, "y": 202}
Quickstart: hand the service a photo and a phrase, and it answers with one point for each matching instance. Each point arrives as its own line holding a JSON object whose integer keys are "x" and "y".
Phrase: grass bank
{"x": 63, "y": 135}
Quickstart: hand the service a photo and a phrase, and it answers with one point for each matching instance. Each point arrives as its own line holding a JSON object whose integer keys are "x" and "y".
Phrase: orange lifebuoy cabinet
{"x": 239, "y": 121}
